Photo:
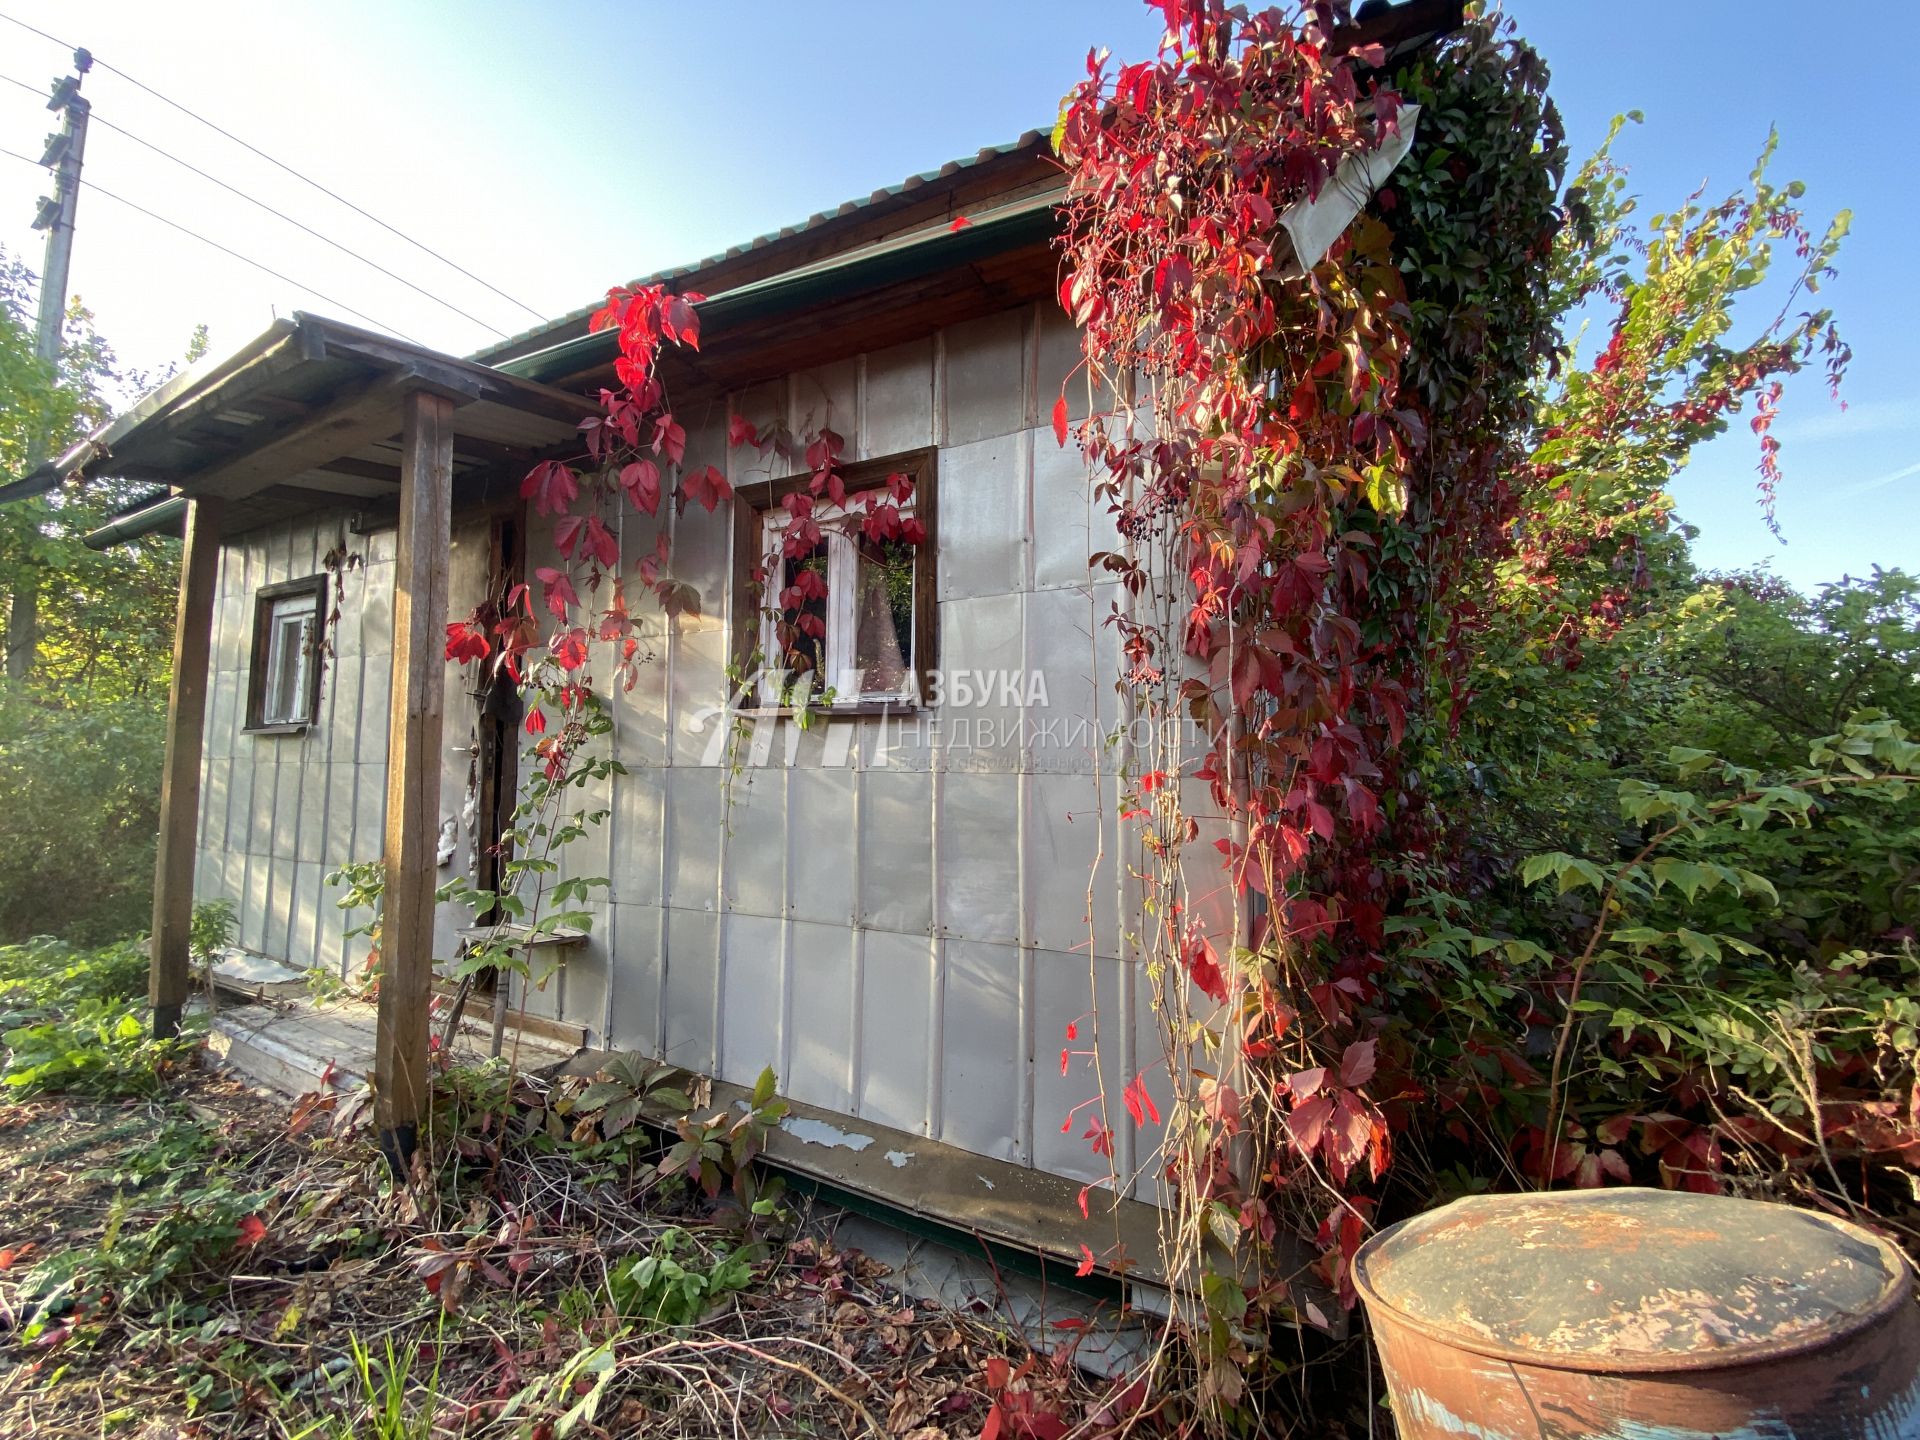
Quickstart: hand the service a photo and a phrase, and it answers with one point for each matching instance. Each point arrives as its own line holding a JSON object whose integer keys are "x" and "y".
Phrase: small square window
{"x": 860, "y": 617}
{"x": 283, "y": 690}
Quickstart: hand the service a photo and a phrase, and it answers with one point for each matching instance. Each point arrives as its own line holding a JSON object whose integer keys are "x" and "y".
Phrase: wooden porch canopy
{"x": 316, "y": 414}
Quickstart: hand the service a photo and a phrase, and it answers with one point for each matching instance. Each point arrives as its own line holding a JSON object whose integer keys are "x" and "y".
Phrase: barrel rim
{"x": 1897, "y": 1292}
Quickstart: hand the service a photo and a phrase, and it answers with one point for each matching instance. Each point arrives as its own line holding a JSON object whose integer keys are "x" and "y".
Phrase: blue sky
{"x": 556, "y": 148}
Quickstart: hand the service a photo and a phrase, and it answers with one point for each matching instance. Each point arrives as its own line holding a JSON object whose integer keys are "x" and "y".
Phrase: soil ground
{"x": 197, "y": 1265}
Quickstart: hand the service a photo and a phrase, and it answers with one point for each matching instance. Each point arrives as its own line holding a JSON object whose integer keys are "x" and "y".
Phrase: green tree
{"x": 81, "y": 731}
{"x": 1594, "y": 626}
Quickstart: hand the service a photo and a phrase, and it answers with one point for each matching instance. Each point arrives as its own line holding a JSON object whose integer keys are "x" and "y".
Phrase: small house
{"x": 900, "y": 906}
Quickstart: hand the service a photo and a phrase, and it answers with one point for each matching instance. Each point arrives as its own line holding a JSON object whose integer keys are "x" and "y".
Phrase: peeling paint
{"x": 984, "y": 1181}
{"x": 1766, "y": 1427}
{"x": 1642, "y": 1315}
{"x": 818, "y": 1132}
{"x": 899, "y": 1158}
{"x": 1425, "y": 1410}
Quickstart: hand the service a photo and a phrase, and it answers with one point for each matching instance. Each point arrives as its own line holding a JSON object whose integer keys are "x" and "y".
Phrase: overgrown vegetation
{"x": 571, "y": 1255}
{"x": 73, "y": 1020}
{"x": 1553, "y": 860}
{"x": 1550, "y": 860}
{"x": 81, "y": 729}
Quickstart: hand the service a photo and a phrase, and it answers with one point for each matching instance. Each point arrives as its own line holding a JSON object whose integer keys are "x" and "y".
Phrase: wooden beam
{"x": 352, "y": 417}
{"x": 167, "y": 974}
{"x": 355, "y": 417}
{"x": 413, "y": 773}
{"x": 364, "y": 469}
{"x": 461, "y": 377}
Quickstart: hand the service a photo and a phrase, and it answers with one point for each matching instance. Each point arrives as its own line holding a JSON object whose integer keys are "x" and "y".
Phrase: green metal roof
{"x": 1032, "y": 139}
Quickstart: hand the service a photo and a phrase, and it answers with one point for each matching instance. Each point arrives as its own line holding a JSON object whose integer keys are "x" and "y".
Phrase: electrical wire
{"x": 281, "y": 164}
{"x": 348, "y": 250}
{"x": 98, "y": 189}
{"x": 34, "y": 89}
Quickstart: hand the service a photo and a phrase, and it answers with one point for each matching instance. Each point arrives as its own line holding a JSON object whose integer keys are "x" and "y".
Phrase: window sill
{"x": 291, "y": 727}
{"x": 862, "y": 710}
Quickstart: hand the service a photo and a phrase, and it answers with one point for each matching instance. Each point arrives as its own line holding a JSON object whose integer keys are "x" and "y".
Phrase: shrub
{"x": 80, "y": 810}
{"x": 74, "y": 1020}
{"x": 43, "y": 975}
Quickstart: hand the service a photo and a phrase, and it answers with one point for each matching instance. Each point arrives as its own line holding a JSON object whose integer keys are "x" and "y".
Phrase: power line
{"x": 333, "y": 195}
{"x": 227, "y": 250}
{"x": 99, "y": 119}
{"x": 254, "y": 200}
{"x": 43, "y": 91}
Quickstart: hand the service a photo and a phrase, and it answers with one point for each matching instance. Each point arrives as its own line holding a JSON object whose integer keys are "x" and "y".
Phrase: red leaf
{"x": 1204, "y": 968}
{"x": 252, "y": 1231}
{"x": 1060, "y": 420}
{"x": 1086, "y": 1262}
{"x": 1083, "y": 1201}
{"x": 465, "y": 643}
{"x": 551, "y": 486}
{"x": 566, "y": 534}
{"x": 641, "y": 482}
{"x": 560, "y": 592}
{"x": 960, "y": 222}
{"x": 601, "y": 544}
{"x": 536, "y": 722}
{"x": 1307, "y": 1123}
{"x": 670, "y": 436}
{"x": 1144, "y": 1101}
{"x": 1101, "y": 1138}
{"x": 706, "y": 488}
{"x": 570, "y": 649}
{"x": 1304, "y": 1084}
{"x": 740, "y": 432}
{"x": 824, "y": 450}
{"x": 1357, "y": 1064}
{"x": 681, "y": 323}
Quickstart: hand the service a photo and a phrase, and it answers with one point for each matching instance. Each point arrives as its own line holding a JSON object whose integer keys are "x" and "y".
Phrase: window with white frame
{"x": 850, "y": 619}
{"x": 284, "y": 683}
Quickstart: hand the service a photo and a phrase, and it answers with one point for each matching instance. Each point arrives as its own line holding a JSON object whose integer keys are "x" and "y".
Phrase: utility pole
{"x": 65, "y": 152}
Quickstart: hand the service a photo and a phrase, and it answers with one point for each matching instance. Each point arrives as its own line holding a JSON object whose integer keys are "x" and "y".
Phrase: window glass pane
{"x": 284, "y": 697}
{"x": 883, "y": 616}
{"x": 802, "y": 640}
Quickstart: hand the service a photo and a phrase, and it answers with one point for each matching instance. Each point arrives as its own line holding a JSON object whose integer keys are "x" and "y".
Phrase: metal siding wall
{"x": 278, "y": 812}
{"x": 900, "y": 929}
{"x": 889, "y": 923}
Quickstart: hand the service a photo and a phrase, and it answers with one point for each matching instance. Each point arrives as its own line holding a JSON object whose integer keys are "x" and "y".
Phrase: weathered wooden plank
{"x": 463, "y": 377}
{"x": 353, "y": 416}
{"x": 413, "y": 772}
{"x": 167, "y": 975}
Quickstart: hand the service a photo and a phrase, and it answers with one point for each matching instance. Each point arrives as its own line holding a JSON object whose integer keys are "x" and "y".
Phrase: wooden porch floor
{"x": 297, "y": 1045}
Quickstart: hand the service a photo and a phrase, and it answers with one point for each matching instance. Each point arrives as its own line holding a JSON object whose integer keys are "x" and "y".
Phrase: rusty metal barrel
{"x": 1641, "y": 1315}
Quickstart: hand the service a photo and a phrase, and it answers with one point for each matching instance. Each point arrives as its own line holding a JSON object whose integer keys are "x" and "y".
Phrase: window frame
{"x": 762, "y": 515}
{"x": 264, "y": 601}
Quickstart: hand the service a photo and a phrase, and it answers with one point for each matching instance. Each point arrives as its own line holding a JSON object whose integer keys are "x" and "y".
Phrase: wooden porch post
{"x": 413, "y": 772}
{"x": 167, "y": 972}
